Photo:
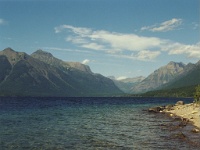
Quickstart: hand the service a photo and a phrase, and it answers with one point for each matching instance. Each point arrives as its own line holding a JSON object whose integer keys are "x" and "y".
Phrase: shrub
{"x": 197, "y": 95}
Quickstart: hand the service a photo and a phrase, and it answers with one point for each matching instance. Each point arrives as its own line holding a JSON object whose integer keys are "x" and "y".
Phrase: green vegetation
{"x": 197, "y": 95}
{"x": 175, "y": 92}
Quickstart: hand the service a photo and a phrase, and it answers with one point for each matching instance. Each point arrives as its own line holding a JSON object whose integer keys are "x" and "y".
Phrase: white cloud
{"x": 112, "y": 40}
{"x": 130, "y": 42}
{"x": 77, "y": 40}
{"x": 164, "y": 26}
{"x": 129, "y": 46}
{"x": 147, "y": 55}
{"x": 144, "y": 55}
{"x": 2, "y": 21}
{"x": 93, "y": 46}
{"x": 113, "y": 43}
{"x": 121, "y": 78}
{"x": 76, "y": 30}
{"x": 192, "y": 51}
{"x": 86, "y": 61}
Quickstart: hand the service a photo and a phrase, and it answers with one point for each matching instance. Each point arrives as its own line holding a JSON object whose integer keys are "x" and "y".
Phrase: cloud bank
{"x": 191, "y": 51}
{"x": 130, "y": 46}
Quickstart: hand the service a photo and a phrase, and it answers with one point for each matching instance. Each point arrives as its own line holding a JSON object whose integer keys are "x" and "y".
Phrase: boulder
{"x": 182, "y": 124}
{"x": 169, "y": 107}
{"x": 177, "y": 119}
{"x": 195, "y": 130}
{"x": 179, "y": 103}
{"x": 156, "y": 109}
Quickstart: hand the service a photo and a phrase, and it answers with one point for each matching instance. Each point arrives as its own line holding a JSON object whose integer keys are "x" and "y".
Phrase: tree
{"x": 197, "y": 94}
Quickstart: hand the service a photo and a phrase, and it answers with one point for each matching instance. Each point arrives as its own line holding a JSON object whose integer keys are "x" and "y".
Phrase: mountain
{"x": 189, "y": 77}
{"x": 183, "y": 85}
{"x": 159, "y": 77}
{"x": 51, "y": 60}
{"x": 132, "y": 80}
{"x": 126, "y": 84}
{"x": 25, "y": 75}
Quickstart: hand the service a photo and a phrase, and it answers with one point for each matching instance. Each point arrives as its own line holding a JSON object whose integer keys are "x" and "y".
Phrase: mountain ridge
{"x": 190, "y": 76}
{"x": 182, "y": 85}
{"x": 170, "y": 76}
{"x": 159, "y": 77}
{"x": 50, "y": 59}
{"x": 23, "y": 75}
{"x": 13, "y": 56}
{"x": 45, "y": 75}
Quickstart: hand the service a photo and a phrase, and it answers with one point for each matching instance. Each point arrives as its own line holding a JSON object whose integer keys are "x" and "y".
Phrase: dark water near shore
{"x": 85, "y": 123}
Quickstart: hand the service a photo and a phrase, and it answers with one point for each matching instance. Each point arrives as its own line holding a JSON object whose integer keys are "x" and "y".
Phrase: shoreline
{"x": 189, "y": 113}
{"x": 185, "y": 121}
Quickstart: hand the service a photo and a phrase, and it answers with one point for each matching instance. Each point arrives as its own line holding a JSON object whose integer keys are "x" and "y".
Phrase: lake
{"x": 85, "y": 124}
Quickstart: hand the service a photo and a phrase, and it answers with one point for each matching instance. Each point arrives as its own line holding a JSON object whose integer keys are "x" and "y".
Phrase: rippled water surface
{"x": 84, "y": 123}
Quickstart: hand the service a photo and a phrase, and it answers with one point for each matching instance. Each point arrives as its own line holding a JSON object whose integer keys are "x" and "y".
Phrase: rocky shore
{"x": 185, "y": 122}
{"x": 189, "y": 113}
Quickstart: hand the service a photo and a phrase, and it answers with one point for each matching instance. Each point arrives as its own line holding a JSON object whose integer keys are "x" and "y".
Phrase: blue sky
{"x": 123, "y": 38}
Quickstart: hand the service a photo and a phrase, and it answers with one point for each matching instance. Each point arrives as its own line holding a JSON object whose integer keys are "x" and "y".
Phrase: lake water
{"x": 85, "y": 124}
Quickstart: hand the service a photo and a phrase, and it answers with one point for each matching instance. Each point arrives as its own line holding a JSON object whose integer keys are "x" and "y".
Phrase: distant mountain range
{"x": 159, "y": 77}
{"x": 41, "y": 74}
{"x": 172, "y": 76}
{"x": 126, "y": 84}
{"x": 190, "y": 76}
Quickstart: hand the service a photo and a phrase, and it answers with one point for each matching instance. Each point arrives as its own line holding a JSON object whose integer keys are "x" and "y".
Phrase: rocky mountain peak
{"x": 8, "y": 50}
{"x": 160, "y": 77}
{"x": 50, "y": 59}
{"x": 13, "y": 56}
{"x": 79, "y": 66}
{"x": 198, "y": 63}
{"x": 42, "y": 53}
{"x": 175, "y": 65}
{"x": 171, "y": 68}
